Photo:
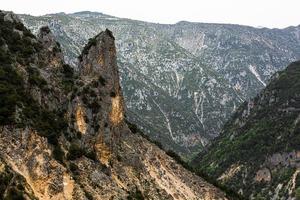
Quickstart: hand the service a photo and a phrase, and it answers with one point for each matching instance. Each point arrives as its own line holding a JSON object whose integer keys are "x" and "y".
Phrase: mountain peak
{"x": 99, "y": 55}
{"x": 87, "y": 13}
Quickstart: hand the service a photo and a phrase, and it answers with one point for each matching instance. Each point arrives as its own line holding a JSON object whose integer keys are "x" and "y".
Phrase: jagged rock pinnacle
{"x": 99, "y": 72}
{"x": 46, "y": 37}
{"x": 99, "y": 56}
{"x": 107, "y": 31}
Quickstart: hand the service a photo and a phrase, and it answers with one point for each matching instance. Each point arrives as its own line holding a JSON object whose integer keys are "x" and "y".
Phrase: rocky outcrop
{"x": 263, "y": 175}
{"x": 53, "y": 50}
{"x": 101, "y": 101}
{"x": 30, "y": 155}
{"x": 13, "y": 185}
{"x": 66, "y": 136}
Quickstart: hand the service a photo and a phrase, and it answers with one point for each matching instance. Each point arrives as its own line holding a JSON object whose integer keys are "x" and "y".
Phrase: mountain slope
{"x": 258, "y": 152}
{"x": 63, "y": 134}
{"x": 246, "y": 56}
{"x": 160, "y": 79}
{"x": 181, "y": 82}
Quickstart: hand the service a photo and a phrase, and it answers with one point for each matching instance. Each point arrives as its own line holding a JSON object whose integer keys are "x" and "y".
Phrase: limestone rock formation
{"x": 63, "y": 134}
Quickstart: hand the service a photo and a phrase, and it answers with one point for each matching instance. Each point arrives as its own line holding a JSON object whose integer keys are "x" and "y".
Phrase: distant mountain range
{"x": 181, "y": 82}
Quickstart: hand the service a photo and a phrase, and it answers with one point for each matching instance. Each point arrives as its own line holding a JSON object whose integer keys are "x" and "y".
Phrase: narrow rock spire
{"x": 99, "y": 73}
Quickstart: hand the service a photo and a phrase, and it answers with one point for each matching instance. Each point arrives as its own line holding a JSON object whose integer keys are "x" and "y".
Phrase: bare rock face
{"x": 99, "y": 106}
{"x": 54, "y": 56}
{"x": 67, "y": 137}
{"x": 263, "y": 175}
{"x": 30, "y": 156}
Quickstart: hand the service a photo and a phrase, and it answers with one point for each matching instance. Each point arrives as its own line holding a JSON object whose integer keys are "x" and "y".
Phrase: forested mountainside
{"x": 181, "y": 82}
{"x": 258, "y": 151}
{"x": 63, "y": 133}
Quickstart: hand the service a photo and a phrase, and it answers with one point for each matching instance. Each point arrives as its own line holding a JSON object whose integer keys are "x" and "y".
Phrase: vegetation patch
{"x": 135, "y": 195}
{"x": 68, "y": 78}
{"x": 75, "y": 151}
{"x": 101, "y": 80}
{"x": 22, "y": 51}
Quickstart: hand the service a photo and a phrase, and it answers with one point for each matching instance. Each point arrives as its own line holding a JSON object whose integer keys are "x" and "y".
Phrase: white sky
{"x": 268, "y": 13}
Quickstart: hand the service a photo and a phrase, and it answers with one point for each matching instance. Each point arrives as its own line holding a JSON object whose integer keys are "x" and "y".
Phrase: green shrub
{"x": 134, "y": 129}
{"x": 35, "y": 78}
{"x": 112, "y": 94}
{"x": 68, "y": 71}
{"x": 135, "y": 195}
{"x": 101, "y": 80}
{"x": 14, "y": 194}
{"x": 88, "y": 195}
{"x": 58, "y": 154}
{"x": 73, "y": 167}
{"x": 75, "y": 151}
{"x": 157, "y": 143}
{"x": 179, "y": 160}
{"x": 45, "y": 29}
{"x": 68, "y": 78}
{"x": 11, "y": 92}
{"x": 5, "y": 178}
{"x": 91, "y": 155}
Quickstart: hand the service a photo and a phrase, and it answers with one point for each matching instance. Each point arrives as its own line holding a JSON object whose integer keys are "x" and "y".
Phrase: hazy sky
{"x": 268, "y": 13}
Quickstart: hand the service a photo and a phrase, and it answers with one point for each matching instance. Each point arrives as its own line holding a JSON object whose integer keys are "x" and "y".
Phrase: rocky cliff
{"x": 258, "y": 152}
{"x": 63, "y": 134}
